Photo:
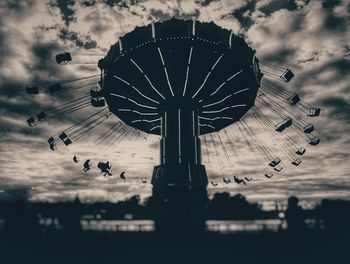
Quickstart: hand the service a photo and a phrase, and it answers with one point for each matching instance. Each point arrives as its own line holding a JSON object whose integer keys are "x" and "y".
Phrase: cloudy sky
{"x": 311, "y": 37}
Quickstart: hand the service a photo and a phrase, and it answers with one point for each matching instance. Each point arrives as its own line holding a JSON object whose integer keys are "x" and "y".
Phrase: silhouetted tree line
{"x": 21, "y": 216}
{"x": 224, "y": 206}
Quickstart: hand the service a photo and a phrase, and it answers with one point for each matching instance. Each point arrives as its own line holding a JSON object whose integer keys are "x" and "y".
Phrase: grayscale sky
{"x": 312, "y": 37}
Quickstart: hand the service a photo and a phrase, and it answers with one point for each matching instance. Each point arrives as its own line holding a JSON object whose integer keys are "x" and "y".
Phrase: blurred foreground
{"x": 228, "y": 229}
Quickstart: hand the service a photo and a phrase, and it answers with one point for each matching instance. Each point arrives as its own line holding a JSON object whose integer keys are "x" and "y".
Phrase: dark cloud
{"x": 19, "y": 8}
{"x": 4, "y": 47}
{"x": 276, "y": 5}
{"x": 330, "y": 3}
{"x": 205, "y": 2}
{"x": 101, "y": 23}
{"x": 66, "y": 8}
{"x": 340, "y": 67}
{"x": 281, "y": 56}
{"x": 87, "y": 3}
{"x": 160, "y": 15}
{"x": 88, "y": 68}
{"x": 243, "y": 14}
{"x": 44, "y": 56}
{"x": 112, "y": 3}
{"x": 338, "y": 107}
{"x": 79, "y": 40}
{"x": 335, "y": 23}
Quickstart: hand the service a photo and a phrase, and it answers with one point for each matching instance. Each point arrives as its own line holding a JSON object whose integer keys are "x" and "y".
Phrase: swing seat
{"x": 275, "y": 162}
{"x": 314, "y": 111}
{"x": 32, "y": 121}
{"x": 278, "y": 168}
{"x": 227, "y": 181}
{"x": 97, "y": 102}
{"x": 95, "y": 93}
{"x": 55, "y": 88}
{"x": 308, "y": 128}
{"x": 41, "y": 116}
{"x": 63, "y": 58}
{"x": 66, "y": 140}
{"x": 293, "y": 99}
{"x": 32, "y": 89}
{"x": 53, "y": 146}
{"x": 287, "y": 75}
{"x": 287, "y": 122}
{"x": 300, "y": 151}
{"x": 296, "y": 162}
{"x": 102, "y": 64}
{"x": 268, "y": 175}
{"x": 52, "y": 143}
{"x": 314, "y": 141}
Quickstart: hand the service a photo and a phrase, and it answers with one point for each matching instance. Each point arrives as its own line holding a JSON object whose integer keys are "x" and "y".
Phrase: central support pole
{"x": 180, "y": 150}
{"x": 180, "y": 181}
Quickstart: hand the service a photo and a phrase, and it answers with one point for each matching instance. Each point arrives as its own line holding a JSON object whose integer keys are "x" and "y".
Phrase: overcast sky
{"x": 309, "y": 36}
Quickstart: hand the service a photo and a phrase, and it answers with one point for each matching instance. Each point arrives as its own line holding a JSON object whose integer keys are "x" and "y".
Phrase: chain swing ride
{"x": 187, "y": 81}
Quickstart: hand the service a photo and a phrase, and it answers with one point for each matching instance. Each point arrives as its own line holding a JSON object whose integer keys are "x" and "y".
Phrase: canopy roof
{"x": 180, "y": 64}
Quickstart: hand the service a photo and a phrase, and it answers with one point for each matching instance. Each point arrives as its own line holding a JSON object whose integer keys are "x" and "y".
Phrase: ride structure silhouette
{"x": 186, "y": 81}
{"x": 179, "y": 80}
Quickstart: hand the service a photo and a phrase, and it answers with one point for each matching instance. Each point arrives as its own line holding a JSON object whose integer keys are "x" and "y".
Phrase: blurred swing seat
{"x": 55, "y": 88}
{"x": 308, "y": 128}
{"x": 287, "y": 122}
{"x": 98, "y": 102}
{"x": 63, "y": 58}
{"x": 296, "y": 162}
{"x": 278, "y": 168}
{"x": 314, "y": 111}
{"x": 300, "y": 151}
{"x": 95, "y": 93}
{"x": 314, "y": 141}
{"x": 275, "y": 162}
{"x": 293, "y": 99}
{"x": 52, "y": 143}
{"x": 227, "y": 181}
{"x": 287, "y": 75}
{"x": 268, "y": 175}
{"x": 33, "y": 121}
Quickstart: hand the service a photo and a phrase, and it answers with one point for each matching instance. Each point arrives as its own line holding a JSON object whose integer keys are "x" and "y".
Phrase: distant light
{"x": 128, "y": 216}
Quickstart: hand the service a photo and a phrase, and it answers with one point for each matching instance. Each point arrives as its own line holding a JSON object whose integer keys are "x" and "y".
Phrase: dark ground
{"x": 204, "y": 247}
{"x": 24, "y": 240}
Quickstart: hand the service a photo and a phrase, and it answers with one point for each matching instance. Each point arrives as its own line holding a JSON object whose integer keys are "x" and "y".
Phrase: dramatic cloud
{"x": 309, "y": 36}
{"x": 66, "y": 8}
{"x": 84, "y": 42}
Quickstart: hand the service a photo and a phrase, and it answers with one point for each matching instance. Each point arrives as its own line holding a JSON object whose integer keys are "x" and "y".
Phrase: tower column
{"x": 180, "y": 142}
{"x": 180, "y": 151}
{"x": 180, "y": 181}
